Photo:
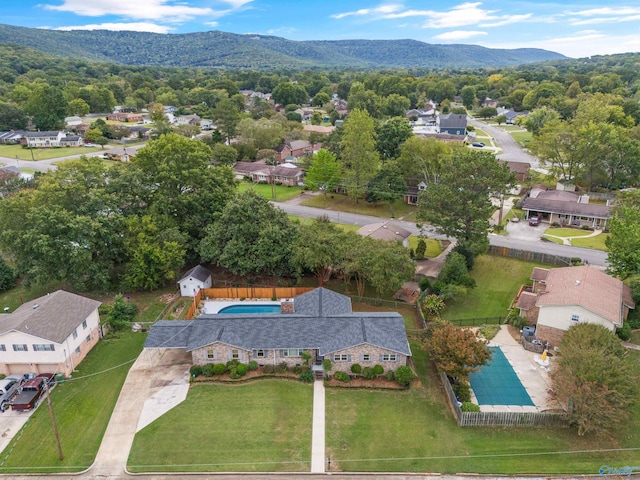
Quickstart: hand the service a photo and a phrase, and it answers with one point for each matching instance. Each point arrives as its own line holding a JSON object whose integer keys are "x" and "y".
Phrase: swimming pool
{"x": 498, "y": 384}
{"x": 250, "y": 308}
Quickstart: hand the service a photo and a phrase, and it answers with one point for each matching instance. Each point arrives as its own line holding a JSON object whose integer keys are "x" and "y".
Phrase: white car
{"x": 90, "y": 144}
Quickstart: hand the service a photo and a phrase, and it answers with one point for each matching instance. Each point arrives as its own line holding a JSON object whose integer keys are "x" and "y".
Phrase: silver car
{"x": 9, "y": 386}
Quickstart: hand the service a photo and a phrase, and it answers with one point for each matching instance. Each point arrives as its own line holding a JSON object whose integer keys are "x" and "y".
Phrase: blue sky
{"x": 574, "y": 28}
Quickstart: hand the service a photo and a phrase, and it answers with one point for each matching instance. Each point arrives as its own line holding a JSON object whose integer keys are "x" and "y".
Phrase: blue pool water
{"x": 251, "y": 308}
{"x": 498, "y": 384}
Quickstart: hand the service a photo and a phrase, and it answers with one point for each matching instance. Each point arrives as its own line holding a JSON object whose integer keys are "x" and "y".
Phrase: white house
{"x": 51, "y": 334}
{"x": 72, "y": 121}
{"x": 43, "y": 139}
{"x": 195, "y": 279}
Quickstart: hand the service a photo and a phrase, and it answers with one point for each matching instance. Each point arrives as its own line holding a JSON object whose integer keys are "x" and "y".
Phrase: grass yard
{"x": 343, "y": 226}
{"x": 82, "y": 406}
{"x": 18, "y": 295}
{"x": 521, "y": 137}
{"x": 567, "y": 232}
{"x": 262, "y": 426}
{"x": 415, "y": 431}
{"x": 498, "y": 280}
{"x": 13, "y": 151}
{"x": 283, "y": 193}
{"x": 343, "y": 203}
{"x": 596, "y": 243}
{"x": 635, "y": 337}
{"x": 434, "y": 247}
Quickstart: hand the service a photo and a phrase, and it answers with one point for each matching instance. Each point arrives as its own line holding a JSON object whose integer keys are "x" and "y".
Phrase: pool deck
{"x": 533, "y": 377}
{"x": 213, "y": 307}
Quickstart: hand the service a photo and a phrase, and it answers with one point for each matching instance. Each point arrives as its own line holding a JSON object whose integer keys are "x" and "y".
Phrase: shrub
{"x": 462, "y": 391}
{"x": 585, "y": 227}
{"x": 356, "y": 368}
{"x": 234, "y": 374}
{"x": 242, "y": 369}
{"x": 232, "y": 363}
{"x": 306, "y": 356}
{"x": 425, "y": 284}
{"x": 469, "y": 407}
{"x": 378, "y": 369}
{"x": 253, "y": 365}
{"x": 391, "y": 376}
{"x": 421, "y": 248}
{"x": 555, "y": 225}
{"x": 274, "y": 299}
{"x": 576, "y": 261}
{"x": 625, "y": 332}
{"x": 219, "y": 368}
{"x": 195, "y": 370}
{"x": 121, "y": 313}
{"x": 307, "y": 376}
{"x": 368, "y": 373}
{"x": 209, "y": 370}
{"x": 297, "y": 369}
{"x": 282, "y": 367}
{"x": 269, "y": 368}
{"x": 467, "y": 253}
{"x": 489, "y": 331}
{"x": 326, "y": 364}
{"x": 404, "y": 375}
{"x": 341, "y": 376}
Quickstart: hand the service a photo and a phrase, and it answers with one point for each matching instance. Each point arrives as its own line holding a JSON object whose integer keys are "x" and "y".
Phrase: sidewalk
{"x": 318, "y": 432}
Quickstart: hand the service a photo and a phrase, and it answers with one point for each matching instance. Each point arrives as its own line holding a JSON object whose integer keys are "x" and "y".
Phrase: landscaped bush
{"x": 307, "y": 376}
{"x": 253, "y": 365}
{"x": 219, "y": 368}
{"x": 297, "y": 369}
{"x": 469, "y": 407}
{"x": 341, "y": 376}
{"x": 421, "y": 248}
{"x": 368, "y": 373}
{"x": 575, "y": 261}
{"x": 232, "y": 363}
{"x": 555, "y": 225}
{"x": 404, "y": 375}
{"x": 625, "y": 332}
{"x": 356, "y": 368}
{"x": 489, "y": 331}
{"x": 195, "y": 370}
{"x": 233, "y": 373}
{"x": 391, "y": 376}
{"x": 282, "y": 367}
{"x": 378, "y": 369}
{"x": 326, "y": 364}
{"x": 269, "y": 368}
{"x": 209, "y": 370}
{"x": 242, "y": 369}
{"x": 425, "y": 284}
{"x": 462, "y": 391}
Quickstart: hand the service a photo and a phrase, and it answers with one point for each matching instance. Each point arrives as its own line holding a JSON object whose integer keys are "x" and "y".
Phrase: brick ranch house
{"x": 320, "y": 322}
{"x": 563, "y": 297}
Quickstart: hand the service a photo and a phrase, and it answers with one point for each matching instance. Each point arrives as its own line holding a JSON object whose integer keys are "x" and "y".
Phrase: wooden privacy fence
{"x": 496, "y": 419}
{"x": 539, "y": 257}
{"x": 254, "y": 292}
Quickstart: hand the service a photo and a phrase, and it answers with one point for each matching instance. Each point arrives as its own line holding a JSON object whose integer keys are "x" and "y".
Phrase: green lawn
{"x": 18, "y": 295}
{"x": 283, "y": 193}
{"x": 343, "y": 203}
{"x": 415, "y": 431}
{"x": 635, "y": 337}
{"x": 343, "y": 226}
{"x": 567, "y": 232}
{"x": 434, "y": 247}
{"x": 262, "y": 426}
{"x": 82, "y": 407}
{"x": 597, "y": 242}
{"x": 498, "y": 280}
{"x": 522, "y": 138}
{"x": 13, "y": 151}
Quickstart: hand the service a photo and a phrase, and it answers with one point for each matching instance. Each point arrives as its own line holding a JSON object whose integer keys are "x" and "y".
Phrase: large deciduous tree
{"x": 287, "y": 93}
{"x": 624, "y": 241}
{"x": 456, "y": 351}
{"x": 48, "y": 107}
{"x": 227, "y": 115}
{"x": 324, "y": 173}
{"x": 251, "y": 237}
{"x": 421, "y": 159}
{"x": 358, "y": 153}
{"x": 387, "y": 186}
{"x": 593, "y": 379}
{"x": 390, "y": 136}
{"x": 459, "y": 204}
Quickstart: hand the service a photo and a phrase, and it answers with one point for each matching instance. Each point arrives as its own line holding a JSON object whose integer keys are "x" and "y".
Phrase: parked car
{"x": 9, "y": 386}
{"x": 31, "y": 392}
{"x": 90, "y": 144}
{"x": 478, "y": 144}
{"x": 534, "y": 221}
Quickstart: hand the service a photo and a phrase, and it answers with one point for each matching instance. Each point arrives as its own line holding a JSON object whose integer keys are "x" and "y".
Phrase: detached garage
{"x": 195, "y": 279}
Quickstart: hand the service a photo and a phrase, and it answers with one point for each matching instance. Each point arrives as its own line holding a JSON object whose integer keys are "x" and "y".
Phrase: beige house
{"x": 320, "y": 322}
{"x": 51, "y": 334}
{"x": 563, "y": 297}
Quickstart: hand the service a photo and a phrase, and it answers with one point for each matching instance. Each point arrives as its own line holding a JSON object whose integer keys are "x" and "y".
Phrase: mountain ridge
{"x": 217, "y": 49}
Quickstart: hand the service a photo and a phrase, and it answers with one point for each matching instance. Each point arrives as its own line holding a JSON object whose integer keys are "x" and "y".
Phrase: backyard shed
{"x": 195, "y": 279}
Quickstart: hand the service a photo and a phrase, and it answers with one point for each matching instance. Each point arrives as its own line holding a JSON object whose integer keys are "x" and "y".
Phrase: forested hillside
{"x": 220, "y": 49}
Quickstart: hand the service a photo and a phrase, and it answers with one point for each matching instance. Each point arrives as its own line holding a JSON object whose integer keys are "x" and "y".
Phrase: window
{"x": 260, "y": 354}
{"x": 75, "y": 334}
{"x": 43, "y": 347}
{"x": 575, "y": 318}
{"x": 341, "y": 358}
{"x": 22, "y": 347}
{"x": 366, "y": 357}
{"x": 235, "y": 354}
{"x": 2, "y": 347}
{"x": 389, "y": 357}
{"x": 88, "y": 339}
{"x": 211, "y": 355}
{"x": 291, "y": 352}
{"x": 78, "y": 350}
{"x": 84, "y": 324}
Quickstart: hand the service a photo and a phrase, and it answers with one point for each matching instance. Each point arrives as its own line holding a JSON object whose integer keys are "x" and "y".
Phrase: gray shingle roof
{"x": 322, "y": 302}
{"x": 250, "y": 332}
{"x": 49, "y": 133}
{"x": 198, "y": 272}
{"x": 55, "y": 317}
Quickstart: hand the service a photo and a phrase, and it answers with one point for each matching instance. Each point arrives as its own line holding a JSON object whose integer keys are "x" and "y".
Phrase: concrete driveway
{"x": 523, "y": 231}
{"x": 10, "y": 424}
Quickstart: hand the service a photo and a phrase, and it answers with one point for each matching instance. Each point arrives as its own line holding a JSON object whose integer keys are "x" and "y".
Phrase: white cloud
{"x": 120, "y": 27}
{"x": 382, "y": 10}
{"x": 211, "y": 24}
{"x": 168, "y": 11}
{"x": 599, "y": 12}
{"x": 282, "y": 31}
{"x": 459, "y": 35}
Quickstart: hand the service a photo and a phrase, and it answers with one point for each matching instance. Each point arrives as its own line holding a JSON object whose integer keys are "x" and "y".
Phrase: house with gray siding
{"x": 320, "y": 322}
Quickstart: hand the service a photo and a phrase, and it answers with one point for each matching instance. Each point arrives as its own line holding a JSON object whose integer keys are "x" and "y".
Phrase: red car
{"x": 534, "y": 221}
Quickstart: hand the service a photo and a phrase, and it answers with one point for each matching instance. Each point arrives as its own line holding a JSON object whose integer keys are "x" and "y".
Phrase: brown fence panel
{"x": 539, "y": 257}
{"x": 254, "y": 292}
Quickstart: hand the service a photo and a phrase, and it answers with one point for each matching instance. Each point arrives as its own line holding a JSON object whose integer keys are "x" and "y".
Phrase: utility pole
{"x": 53, "y": 422}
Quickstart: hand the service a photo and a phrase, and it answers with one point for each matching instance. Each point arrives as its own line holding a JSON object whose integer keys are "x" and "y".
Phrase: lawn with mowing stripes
{"x": 262, "y": 426}
{"x": 282, "y": 192}
{"x": 82, "y": 408}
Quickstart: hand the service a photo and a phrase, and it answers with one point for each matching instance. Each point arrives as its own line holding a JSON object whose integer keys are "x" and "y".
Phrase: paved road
{"x": 594, "y": 257}
{"x": 511, "y": 151}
